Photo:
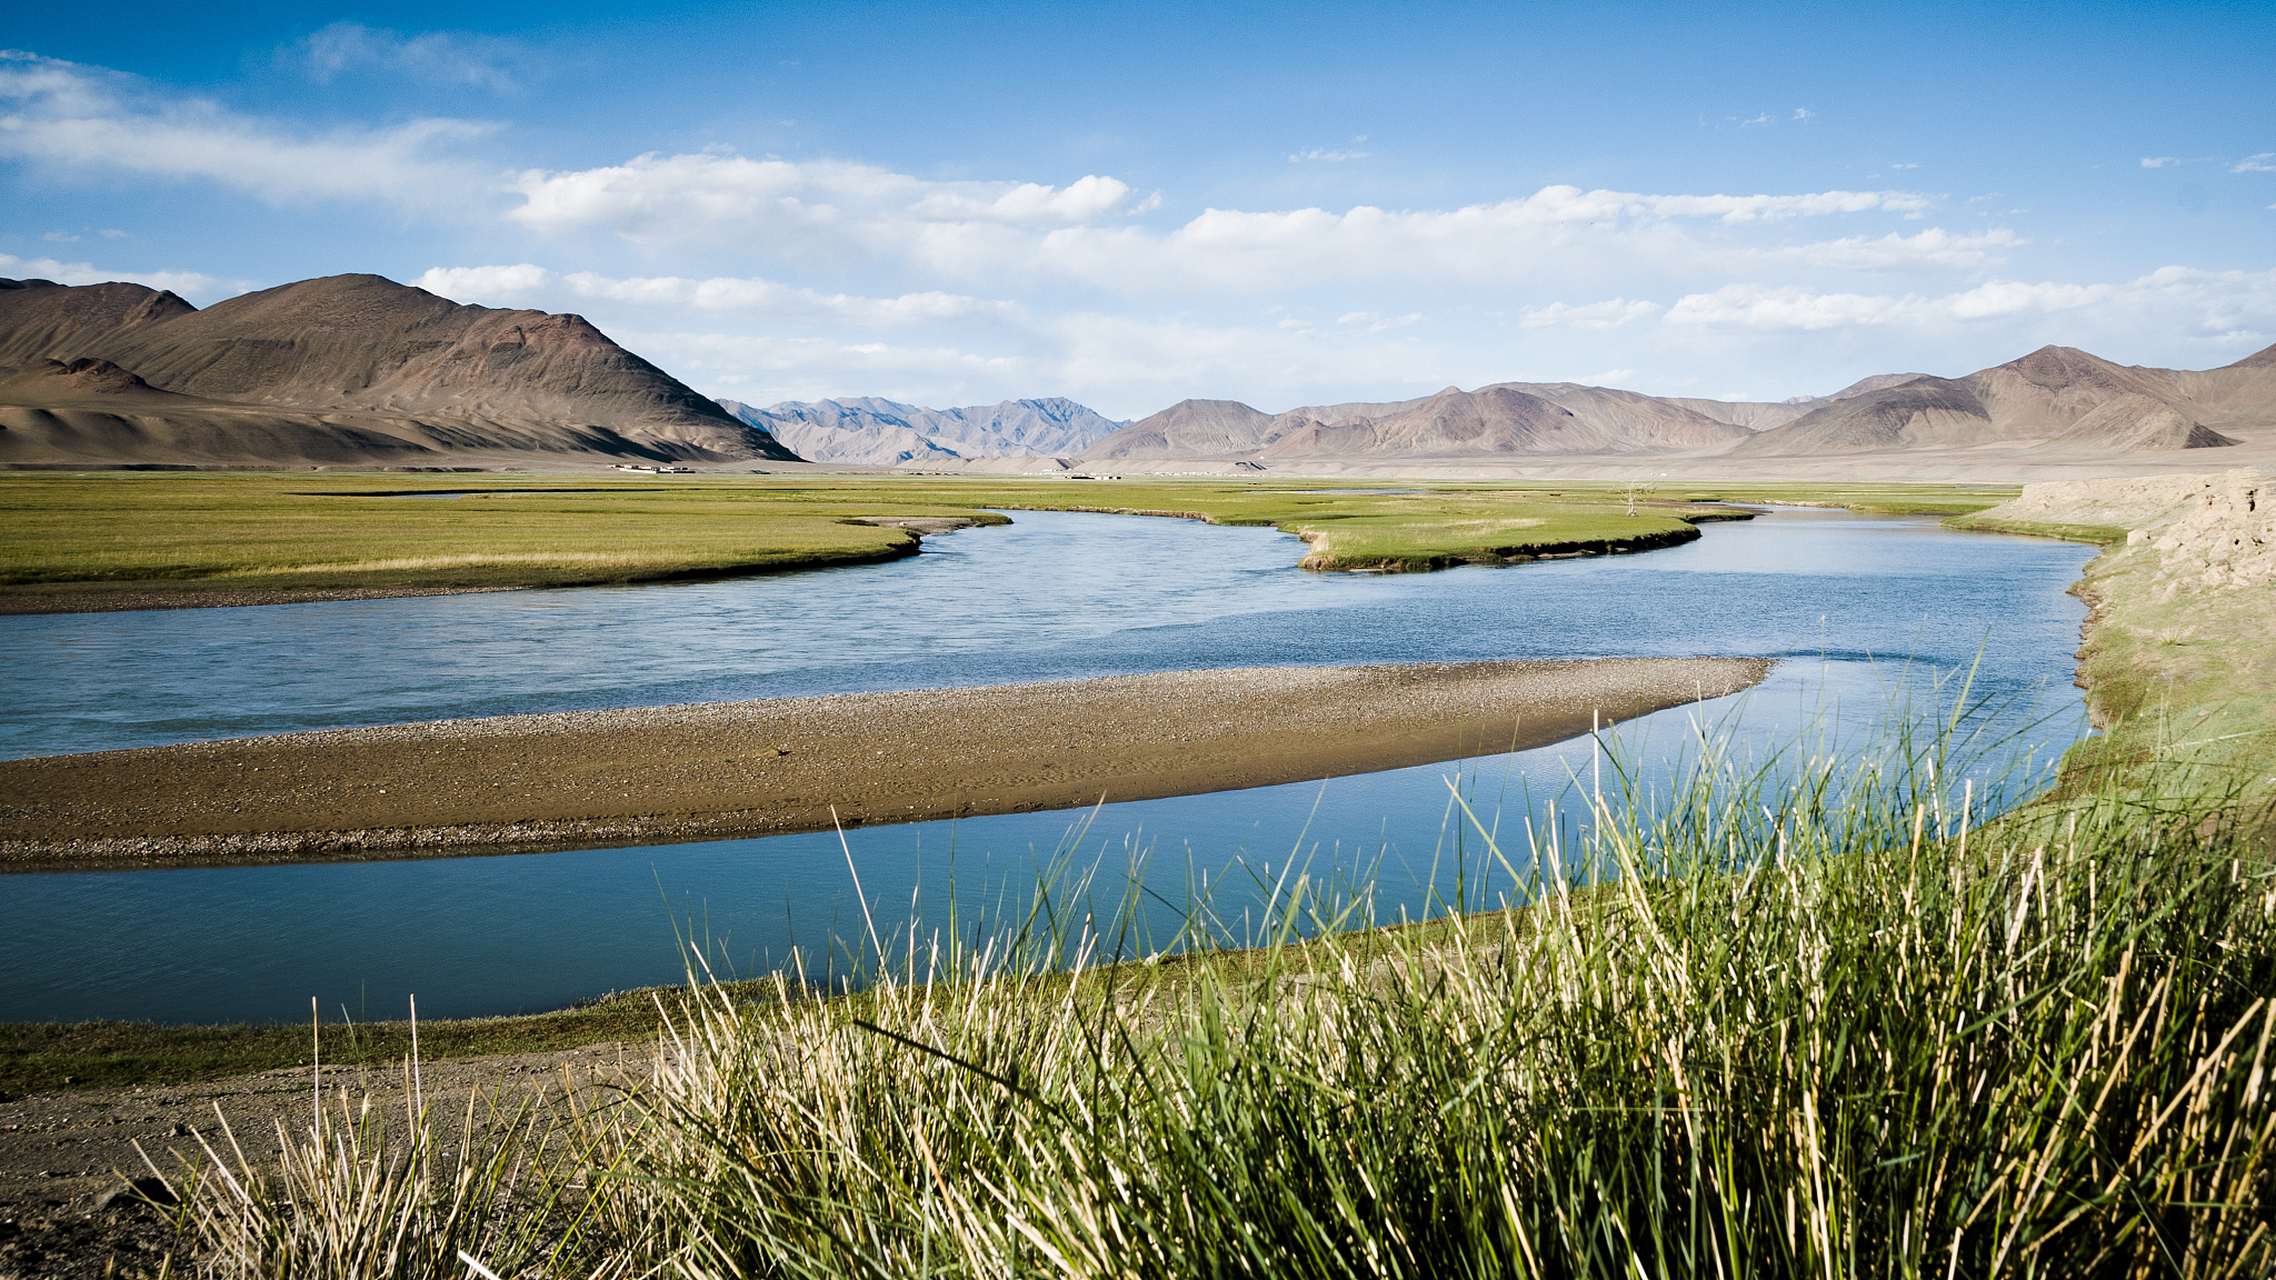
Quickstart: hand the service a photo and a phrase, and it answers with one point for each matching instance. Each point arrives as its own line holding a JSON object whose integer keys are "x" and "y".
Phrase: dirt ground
{"x": 65, "y": 1156}
{"x": 721, "y": 770}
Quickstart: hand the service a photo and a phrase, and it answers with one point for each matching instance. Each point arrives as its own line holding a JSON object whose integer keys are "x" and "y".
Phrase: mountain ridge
{"x": 2053, "y": 399}
{"x": 335, "y": 370}
{"x": 2056, "y": 400}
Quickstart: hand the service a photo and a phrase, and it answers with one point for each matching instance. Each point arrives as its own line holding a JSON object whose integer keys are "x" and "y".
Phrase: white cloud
{"x": 2265, "y": 162}
{"x": 190, "y": 284}
{"x": 1377, "y": 324}
{"x": 2239, "y": 304}
{"x": 482, "y": 62}
{"x": 745, "y": 297}
{"x": 1934, "y": 247}
{"x": 1594, "y": 315}
{"x": 2159, "y": 162}
{"x": 827, "y": 206}
{"x": 831, "y": 211}
{"x": 65, "y": 116}
{"x": 1079, "y": 201}
{"x": 1804, "y": 113}
{"x": 58, "y": 237}
{"x": 1324, "y": 154}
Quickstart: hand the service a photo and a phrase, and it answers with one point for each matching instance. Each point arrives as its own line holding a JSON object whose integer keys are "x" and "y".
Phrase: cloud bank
{"x": 770, "y": 277}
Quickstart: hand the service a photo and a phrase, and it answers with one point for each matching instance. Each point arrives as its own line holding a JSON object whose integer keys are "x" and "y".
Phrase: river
{"x": 1856, "y": 605}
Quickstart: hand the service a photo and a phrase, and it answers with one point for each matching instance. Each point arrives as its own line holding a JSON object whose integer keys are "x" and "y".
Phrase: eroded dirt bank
{"x": 719, "y": 770}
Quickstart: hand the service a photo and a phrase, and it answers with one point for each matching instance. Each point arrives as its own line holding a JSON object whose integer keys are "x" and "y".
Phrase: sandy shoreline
{"x": 710, "y": 771}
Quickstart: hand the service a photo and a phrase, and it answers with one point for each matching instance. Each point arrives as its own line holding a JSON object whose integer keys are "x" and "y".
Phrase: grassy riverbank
{"x": 81, "y": 539}
{"x": 2179, "y": 662}
{"x": 1841, "y": 1027}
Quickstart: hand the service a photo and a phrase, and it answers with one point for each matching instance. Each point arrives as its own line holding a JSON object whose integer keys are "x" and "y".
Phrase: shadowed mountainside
{"x": 339, "y": 370}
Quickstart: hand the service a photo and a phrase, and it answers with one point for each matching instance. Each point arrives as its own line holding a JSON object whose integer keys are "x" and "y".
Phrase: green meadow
{"x": 92, "y": 533}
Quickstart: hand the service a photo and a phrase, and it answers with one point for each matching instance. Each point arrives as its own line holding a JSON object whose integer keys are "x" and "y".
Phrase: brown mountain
{"x": 1507, "y": 418}
{"x": 2056, "y": 403}
{"x": 339, "y": 370}
{"x": 2133, "y": 423}
{"x": 1453, "y": 423}
{"x": 2055, "y": 400}
{"x": 1189, "y": 429}
{"x": 40, "y": 318}
{"x": 1632, "y": 422}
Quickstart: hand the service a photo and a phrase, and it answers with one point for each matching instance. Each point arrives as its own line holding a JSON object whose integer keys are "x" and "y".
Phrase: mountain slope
{"x": 1190, "y": 429}
{"x": 1505, "y": 418}
{"x": 360, "y": 357}
{"x": 2136, "y": 424}
{"x": 2054, "y": 400}
{"x": 1632, "y": 422}
{"x": 1453, "y": 423}
{"x": 40, "y": 318}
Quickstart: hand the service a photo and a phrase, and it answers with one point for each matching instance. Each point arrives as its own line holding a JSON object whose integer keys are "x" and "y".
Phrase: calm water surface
{"x": 1858, "y": 605}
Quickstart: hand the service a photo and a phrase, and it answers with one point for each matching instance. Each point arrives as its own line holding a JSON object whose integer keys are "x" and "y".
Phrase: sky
{"x": 1133, "y": 204}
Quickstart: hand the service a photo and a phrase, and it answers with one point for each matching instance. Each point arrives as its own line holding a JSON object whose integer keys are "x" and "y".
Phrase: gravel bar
{"x": 720, "y": 770}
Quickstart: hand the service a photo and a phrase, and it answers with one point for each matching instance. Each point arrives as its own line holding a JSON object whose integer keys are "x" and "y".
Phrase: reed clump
{"x": 370, "y": 1191}
{"x": 1784, "y": 1021}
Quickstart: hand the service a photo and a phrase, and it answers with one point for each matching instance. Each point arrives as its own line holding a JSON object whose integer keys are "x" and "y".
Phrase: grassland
{"x": 84, "y": 537}
{"x": 1777, "y": 1023}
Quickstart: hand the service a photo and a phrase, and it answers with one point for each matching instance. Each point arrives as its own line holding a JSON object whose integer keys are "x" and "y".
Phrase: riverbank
{"x": 712, "y": 771}
{"x": 2179, "y": 661}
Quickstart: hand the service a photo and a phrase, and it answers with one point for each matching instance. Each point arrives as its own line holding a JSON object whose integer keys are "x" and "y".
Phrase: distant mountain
{"x": 1877, "y": 382}
{"x": 353, "y": 369}
{"x": 1503, "y": 419}
{"x": 2055, "y": 400}
{"x": 865, "y": 429}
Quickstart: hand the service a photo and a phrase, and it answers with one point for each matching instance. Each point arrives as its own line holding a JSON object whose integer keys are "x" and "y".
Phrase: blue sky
{"x": 1129, "y": 205}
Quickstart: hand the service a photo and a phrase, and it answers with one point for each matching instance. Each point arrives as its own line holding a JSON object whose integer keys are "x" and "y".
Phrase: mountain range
{"x": 358, "y": 370}
{"x": 345, "y": 370}
{"x": 865, "y": 429}
{"x": 2057, "y": 401}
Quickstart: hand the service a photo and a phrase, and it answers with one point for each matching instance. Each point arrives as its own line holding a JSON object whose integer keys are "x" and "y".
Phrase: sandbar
{"x": 710, "y": 771}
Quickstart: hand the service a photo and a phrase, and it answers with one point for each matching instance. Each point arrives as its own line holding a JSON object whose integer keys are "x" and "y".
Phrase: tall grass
{"x": 1781, "y": 1021}
{"x": 360, "y": 1194}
